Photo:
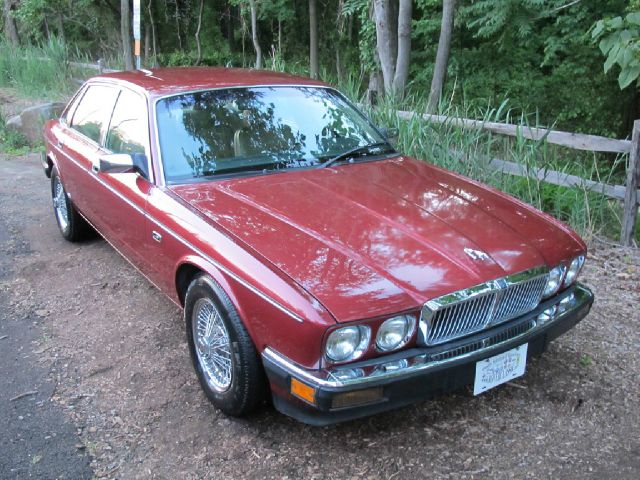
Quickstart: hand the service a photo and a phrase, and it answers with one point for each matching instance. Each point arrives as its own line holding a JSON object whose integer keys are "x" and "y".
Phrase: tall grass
{"x": 40, "y": 71}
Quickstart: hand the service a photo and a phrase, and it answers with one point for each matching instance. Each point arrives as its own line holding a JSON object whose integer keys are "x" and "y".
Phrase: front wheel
{"x": 223, "y": 355}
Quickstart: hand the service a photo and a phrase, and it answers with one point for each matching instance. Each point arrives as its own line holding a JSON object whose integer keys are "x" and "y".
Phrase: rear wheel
{"x": 72, "y": 226}
{"x": 224, "y": 357}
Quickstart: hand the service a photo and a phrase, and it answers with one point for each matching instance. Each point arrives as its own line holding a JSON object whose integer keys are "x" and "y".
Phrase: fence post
{"x": 631, "y": 196}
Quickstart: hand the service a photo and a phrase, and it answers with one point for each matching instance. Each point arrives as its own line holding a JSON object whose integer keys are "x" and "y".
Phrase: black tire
{"x": 247, "y": 385}
{"x": 71, "y": 224}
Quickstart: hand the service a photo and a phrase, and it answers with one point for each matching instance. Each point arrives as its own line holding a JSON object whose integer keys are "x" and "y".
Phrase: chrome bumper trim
{"x": 409, "y": 366}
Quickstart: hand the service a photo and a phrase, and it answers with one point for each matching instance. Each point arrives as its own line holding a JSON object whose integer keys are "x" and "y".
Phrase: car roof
{"x": 166, "y": 81}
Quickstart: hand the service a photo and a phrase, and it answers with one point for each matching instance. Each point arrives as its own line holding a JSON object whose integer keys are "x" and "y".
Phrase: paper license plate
{"x": 500, "y": 369}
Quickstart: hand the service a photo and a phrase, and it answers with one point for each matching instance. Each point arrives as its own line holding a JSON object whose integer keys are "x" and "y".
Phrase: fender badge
{"x": 477, "y": 254}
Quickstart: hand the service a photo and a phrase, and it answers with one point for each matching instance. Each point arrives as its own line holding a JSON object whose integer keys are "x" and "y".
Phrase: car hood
{"x": 372, "y": 238}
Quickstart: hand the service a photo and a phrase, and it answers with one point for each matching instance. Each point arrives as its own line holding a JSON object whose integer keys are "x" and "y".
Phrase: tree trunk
{"x": 254, "y": 33}
{"x": 197, "y": 34}
{"x": 280, "y": 36}
{"x": 442, "y": 57}
{"x": 153, "y": 32}
{"x": 404, "y": 48}
{"x": 177, "y": 18}
{"x": 313, "y": 39}
{"x": 10, "y": 29}
{"x": 384, "y": 43}
{"x": 340, "y": 27}
{"x": 147, "y": 45}
{"x": 60, "y": 27}
{"x": 125, "y": 33}
{"x": 230, "y": 24}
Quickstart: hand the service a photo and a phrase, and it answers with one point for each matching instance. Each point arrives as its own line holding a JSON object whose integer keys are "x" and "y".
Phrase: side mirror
{"x": 391, "y": 134}
{"x": 116, "y": 163}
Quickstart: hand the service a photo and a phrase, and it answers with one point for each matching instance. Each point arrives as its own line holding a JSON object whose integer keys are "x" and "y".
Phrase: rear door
{"x": 78, "y": 147}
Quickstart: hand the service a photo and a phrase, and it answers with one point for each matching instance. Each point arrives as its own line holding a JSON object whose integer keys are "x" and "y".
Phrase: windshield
{"x": 220, "y": 132}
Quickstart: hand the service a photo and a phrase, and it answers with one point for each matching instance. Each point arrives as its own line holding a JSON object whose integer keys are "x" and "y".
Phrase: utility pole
{"x": 136, "y": 32}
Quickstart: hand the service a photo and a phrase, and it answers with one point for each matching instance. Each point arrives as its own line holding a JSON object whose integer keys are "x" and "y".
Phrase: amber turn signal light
{"x": 357, "y": 397}
{"x": 303, "y": 391}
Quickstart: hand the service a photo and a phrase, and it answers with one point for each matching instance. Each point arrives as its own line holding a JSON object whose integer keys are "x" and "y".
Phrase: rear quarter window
{"x": 93, "y": 112}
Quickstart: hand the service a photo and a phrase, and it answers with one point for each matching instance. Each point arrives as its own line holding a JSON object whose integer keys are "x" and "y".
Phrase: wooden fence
{"x": 627, "y": 193}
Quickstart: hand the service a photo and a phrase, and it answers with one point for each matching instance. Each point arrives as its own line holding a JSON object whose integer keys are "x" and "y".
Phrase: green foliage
{"x": 11, "y": 142}
{"x": 619, "y": 41}
{"x": 537, "y": 54}
{"x": 40, "y": 71}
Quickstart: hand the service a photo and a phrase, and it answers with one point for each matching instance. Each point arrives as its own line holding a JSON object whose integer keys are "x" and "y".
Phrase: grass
{"x": 38, "y": 71}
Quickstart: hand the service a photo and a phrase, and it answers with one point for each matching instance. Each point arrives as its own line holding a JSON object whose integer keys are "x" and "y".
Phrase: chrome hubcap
{"x": 60, "y": 205}
{"x": 213, "y": 346}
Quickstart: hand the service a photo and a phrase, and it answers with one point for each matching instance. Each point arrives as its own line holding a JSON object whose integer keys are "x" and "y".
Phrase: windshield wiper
{"x": 356, "y": 152}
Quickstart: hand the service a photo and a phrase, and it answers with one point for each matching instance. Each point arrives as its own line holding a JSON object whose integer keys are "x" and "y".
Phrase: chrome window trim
{"x": 103, "y": 136}
{"x": 193, "y": 248}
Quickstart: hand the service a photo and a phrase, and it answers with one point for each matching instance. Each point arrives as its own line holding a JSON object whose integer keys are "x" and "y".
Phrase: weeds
{"x": 40, "y": 71}
{"x": 11, "y": 142}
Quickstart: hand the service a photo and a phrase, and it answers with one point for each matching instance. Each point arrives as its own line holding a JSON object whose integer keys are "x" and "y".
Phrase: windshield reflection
{"x": 220, "y": 132}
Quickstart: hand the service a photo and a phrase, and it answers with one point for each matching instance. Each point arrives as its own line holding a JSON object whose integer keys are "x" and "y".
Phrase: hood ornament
{"x": 477, "y": 254}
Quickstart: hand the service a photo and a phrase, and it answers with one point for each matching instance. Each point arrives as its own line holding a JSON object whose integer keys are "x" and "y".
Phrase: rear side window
{"x": 128, "y": 132}
{"x": 94, "y": 110}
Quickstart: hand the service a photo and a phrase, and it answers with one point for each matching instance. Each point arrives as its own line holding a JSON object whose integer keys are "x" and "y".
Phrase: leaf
{"x": 628, "y": 75}
{"x": 606, "y": 43}
{"x": 611, "y": 58}
{"x": 597, "y": 29}
{"x": 616, "y": 23}
{"x": 634, "y": 18}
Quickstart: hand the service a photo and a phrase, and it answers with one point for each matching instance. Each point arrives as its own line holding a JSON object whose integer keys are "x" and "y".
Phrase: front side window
{"x": 220, "y": 132}
{"x": 128, "y": 131}
{"x": 93, "y": 111}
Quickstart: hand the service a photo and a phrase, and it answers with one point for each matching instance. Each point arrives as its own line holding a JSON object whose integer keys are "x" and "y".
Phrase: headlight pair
{"x": 562, "y": 276}
{"x": 350, "y": 343}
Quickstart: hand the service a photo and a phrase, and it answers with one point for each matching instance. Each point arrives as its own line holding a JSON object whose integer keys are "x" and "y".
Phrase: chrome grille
{"x": 520, "y": 299}
{"x": 471, "y": 310}
{"x": 501, "y": 337}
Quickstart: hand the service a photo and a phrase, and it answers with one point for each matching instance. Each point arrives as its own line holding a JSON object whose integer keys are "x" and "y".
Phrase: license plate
{"x": 500, "y": 369}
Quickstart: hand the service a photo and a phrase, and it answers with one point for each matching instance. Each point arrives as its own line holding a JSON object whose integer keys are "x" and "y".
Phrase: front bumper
{"x": 416, "y": 374}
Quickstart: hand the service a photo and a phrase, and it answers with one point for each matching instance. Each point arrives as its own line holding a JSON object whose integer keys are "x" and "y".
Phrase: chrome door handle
{"x": 156, "y": 236}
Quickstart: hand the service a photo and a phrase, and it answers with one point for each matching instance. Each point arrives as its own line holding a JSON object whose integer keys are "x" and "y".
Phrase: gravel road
{"x": 116, "y": 355}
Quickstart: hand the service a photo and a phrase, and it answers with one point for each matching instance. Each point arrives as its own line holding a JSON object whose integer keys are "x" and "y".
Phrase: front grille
{"x": 500, "y": 337}
{"x": 486, "y": 305}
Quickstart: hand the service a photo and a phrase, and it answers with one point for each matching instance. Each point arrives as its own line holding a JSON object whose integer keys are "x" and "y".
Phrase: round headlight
{"x": 347, "y": 343}
{"x": 395, "y": 332}
{"x": 554, "y": 280}
{"x": 574, "y": 270}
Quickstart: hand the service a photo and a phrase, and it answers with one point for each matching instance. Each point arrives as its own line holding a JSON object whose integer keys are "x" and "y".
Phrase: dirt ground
{"x": 115, "y": 349}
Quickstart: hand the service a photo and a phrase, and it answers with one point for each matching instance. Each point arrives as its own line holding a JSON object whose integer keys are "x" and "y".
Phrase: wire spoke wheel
{"x": 212, "y": 345}
{"x": 60, "y": 204}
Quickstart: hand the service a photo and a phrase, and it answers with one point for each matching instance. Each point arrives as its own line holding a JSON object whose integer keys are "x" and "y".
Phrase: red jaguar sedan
{"x": 316, "y": 266}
